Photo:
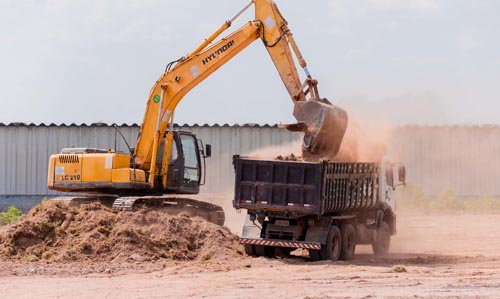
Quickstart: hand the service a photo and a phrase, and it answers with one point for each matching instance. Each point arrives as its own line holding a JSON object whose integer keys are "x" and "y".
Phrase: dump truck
{"x": 324, "y": 207}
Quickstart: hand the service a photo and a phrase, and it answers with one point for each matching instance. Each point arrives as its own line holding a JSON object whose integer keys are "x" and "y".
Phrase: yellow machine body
{"x": 91, "y": 171}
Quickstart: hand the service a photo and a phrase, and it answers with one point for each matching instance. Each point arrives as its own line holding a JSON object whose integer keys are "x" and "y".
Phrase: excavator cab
{"x": 185, "y": 173}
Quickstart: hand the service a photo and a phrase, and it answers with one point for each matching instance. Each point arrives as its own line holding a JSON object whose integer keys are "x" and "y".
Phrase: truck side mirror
{"x": 402, "y": 174}
{"x": 208, "y": 150}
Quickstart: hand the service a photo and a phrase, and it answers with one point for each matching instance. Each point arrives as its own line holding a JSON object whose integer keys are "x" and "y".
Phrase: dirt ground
{"x": 434, "y": 255}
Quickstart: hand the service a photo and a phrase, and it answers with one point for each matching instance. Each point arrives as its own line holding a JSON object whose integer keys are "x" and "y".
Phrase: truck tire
{"x": 314, "y": 255}
{"x": 331, "y": 250}
{"x": 282, "y": 252}
{"x": 267, "y": 251}
{"x": 382, "y": 241}
{"x": 250, "y": 249}
{"x": 349, "y": 240}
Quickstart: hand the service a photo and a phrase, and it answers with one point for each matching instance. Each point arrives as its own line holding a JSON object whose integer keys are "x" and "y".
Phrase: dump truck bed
{"x": 298, "y": 188}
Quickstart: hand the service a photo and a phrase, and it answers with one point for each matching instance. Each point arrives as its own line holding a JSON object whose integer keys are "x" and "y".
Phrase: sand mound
{"x": 55, "y": 232}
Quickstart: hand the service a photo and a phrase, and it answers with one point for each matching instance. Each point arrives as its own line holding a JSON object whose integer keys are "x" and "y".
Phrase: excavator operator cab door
{"x": 184, "y": 169}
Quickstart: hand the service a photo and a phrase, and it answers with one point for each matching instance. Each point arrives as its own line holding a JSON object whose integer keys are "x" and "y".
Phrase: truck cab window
{"x": 389, "y": 178}
{"x": 191, "y": 163}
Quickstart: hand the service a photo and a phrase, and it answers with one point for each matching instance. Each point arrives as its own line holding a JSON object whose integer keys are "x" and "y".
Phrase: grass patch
{"x": 12, "y": 215}
{"x": 413, "y": 197}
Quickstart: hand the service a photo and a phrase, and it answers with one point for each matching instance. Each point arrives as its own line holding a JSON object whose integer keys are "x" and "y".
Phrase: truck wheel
{"x": 382, "y": 240}
{"x": 282, "y": 252}
{"x": 348, "y": 241}
{"x": 331, "y": 250}
{"x": 267, "y": 251}
{"x": 314, "y": 255}
{"x": 250, "y": 249}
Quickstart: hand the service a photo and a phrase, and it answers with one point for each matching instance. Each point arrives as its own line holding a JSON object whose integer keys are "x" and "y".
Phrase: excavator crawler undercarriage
{"x": 172, "y": 204}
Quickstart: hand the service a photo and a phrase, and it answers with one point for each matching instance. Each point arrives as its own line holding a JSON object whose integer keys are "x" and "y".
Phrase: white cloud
{"x": 362, "y": 8}
{"x": 425, "y": 5}
{"x": 470, "y": 40}
{"x": 405, "y": 5}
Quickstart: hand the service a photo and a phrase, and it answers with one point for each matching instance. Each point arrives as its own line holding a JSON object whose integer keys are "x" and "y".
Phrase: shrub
{"x": 412, "y": 197}
{"x": 450, "y": 201}
{"x": 12, "y": 215}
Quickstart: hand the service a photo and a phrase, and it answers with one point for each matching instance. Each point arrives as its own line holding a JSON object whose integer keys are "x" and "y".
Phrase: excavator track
{"x": 173, "y": 204}
{"x": 76, "y": 201}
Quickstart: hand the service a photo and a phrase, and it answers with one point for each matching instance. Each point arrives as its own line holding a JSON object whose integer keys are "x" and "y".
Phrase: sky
{"x": 390, "y": 61}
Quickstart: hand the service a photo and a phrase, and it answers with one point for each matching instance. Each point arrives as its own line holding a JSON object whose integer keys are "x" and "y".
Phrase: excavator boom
{"x": 325, "y": 124}
{"x": 171, "y": 87}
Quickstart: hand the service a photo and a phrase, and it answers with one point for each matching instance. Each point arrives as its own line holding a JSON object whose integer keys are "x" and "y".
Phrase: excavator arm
{"x": 173, "y": 85}
{"x": 316, "y": 116}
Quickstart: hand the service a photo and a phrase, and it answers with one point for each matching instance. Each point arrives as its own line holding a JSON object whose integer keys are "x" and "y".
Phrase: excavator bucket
{"x": 324, "y": 126}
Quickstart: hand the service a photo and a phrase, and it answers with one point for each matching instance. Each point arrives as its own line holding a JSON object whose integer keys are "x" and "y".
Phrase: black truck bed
{"x": 304, "y": 188}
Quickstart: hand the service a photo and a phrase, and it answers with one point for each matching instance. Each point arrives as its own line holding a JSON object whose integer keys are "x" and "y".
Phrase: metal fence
{"x": 463, "y": 158}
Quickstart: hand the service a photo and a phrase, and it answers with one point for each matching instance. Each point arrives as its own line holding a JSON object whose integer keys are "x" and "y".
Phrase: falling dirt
{"x": 273, "y": 152}
{"x": 362, "y": 142}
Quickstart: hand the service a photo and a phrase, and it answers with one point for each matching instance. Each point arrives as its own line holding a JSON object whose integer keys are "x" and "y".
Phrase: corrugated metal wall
{"x": 465, "y": 158}
{"x": 24, "y": 152}
{"x": 25, "y": 149}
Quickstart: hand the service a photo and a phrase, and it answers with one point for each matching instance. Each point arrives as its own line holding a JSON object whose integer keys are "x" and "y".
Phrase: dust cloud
{"x": 460, "y": 158}
{"x": 364, "y": 142}
{"x": 233, "y": 219}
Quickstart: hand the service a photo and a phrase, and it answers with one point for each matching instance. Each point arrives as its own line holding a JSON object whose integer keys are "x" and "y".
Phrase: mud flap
{"x": 318, "y": 233}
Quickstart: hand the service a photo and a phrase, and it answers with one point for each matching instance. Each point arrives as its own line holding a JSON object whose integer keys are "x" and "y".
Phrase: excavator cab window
{"x": 184, "y": 167}
{"x": 191, "y": 159}
{"x": 173, "y": 153}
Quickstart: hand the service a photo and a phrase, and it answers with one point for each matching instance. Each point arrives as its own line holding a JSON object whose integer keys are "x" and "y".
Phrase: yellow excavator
{"x": 165, "y": 165}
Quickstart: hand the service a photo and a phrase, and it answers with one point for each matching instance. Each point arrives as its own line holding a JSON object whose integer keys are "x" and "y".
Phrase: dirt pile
{"x": 55, "y": 232}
